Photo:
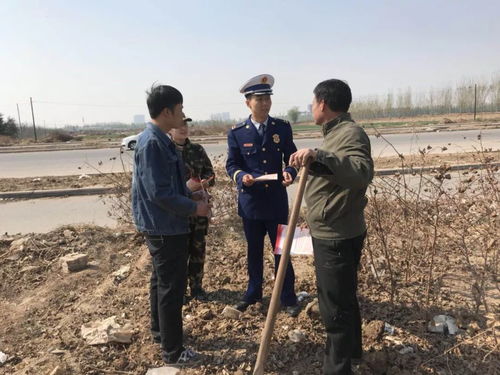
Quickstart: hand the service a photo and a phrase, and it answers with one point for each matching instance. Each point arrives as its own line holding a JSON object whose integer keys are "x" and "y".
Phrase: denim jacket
{"x": 160, "y": 199}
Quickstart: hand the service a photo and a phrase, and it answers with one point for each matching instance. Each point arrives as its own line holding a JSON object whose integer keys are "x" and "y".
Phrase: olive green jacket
{"x": 339, "y": 177}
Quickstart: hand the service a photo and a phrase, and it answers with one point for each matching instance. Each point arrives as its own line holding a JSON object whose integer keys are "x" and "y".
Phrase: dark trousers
{"x": 168, "y": 282}
{"x": 255, "y": 232}
{"x": 336, "y": 263}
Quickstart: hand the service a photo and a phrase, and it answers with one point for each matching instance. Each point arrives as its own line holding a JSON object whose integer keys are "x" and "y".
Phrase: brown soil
{"x": 436, "y": 158}
{"x": 43, "y": 310}
{"x": 56, "y": 182}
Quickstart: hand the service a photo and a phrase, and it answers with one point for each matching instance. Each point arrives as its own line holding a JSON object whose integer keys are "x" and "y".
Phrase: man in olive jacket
{"x": 341, "y": 170}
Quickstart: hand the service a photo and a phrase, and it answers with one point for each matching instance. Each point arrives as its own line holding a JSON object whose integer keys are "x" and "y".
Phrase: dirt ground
{"x": 43, "y": 310}
{"x": 434, "y": 158}
{"x": 55, "y": 182}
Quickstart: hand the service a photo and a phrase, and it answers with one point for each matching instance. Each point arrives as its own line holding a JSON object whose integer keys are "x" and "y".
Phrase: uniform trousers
{"x": 336, "y": 263}
{"x": 168, "y": 283}
{"x": 255, "y": 232}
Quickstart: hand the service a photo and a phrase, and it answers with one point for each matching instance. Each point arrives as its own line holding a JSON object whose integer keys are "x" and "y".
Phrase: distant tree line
{"x": 434, "y": 102}
{"x": 8, "y": 127}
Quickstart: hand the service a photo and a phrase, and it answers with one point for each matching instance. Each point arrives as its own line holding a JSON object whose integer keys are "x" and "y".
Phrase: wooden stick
{"x": 280, "y": 277}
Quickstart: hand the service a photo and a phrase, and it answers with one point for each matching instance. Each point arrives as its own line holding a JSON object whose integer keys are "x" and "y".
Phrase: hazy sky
{"x": 92, "y": 61}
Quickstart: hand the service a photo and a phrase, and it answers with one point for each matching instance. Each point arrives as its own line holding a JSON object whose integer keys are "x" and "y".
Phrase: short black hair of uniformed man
{"x": 335, "y": 93}
{"x": 161, "y": 97}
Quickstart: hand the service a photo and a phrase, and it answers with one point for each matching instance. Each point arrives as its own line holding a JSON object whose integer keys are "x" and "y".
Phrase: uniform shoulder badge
{"x": 276, "y": 138}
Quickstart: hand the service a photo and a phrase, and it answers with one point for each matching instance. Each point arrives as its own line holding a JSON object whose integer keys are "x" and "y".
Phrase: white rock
{"x": 166, "y": 370}
{"x": 231, "y": 312}
{"x": 296, "y": 335}
{"x": 122, "y": 273}
{"x": 19, "y": 244}
{"x": 302, "y": 296}
{"x": 406, "y": 350}
{"x": 74, "y": 262}
{"x": 68, "y": 233}
{"x": 443, "y": 324}
{"x": 388, "y": 329}
{"x": 106, "y": 331}
{"x": 3, "y": 357}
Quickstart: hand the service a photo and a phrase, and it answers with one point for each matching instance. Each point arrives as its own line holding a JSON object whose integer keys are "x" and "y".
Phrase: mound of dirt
{"x": 43, "y": 309}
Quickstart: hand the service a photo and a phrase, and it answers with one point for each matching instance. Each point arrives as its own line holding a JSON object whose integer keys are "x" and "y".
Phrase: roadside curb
{"x": 33, "y": 194}
{"x": 459, "y": 167}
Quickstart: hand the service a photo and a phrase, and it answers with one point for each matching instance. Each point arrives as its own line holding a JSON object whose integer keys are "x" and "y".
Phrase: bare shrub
{"x": 210, "y": 129}
{"x": 5, "y": 140}
{"x": 430, "y": 229}
{"x": 59, "y": 136}
{"x": 224, "y": 196}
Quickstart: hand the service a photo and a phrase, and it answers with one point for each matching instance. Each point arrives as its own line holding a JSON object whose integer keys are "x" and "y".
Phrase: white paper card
{"x": 301, "y": 244}
{"x": 267, "y": 177}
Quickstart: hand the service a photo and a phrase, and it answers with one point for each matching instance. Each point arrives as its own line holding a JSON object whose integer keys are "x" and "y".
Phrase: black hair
{"x": 335, "y": 93}
{"x": 161, "y": 97}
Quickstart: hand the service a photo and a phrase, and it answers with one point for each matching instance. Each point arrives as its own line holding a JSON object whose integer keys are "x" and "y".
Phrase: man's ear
{"x": 247, "y": 102}
{"x": 322, "y": 106}
{"x": 165, "y": 112}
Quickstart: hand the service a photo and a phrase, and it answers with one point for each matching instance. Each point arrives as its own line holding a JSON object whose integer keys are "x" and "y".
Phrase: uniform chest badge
{"x": 247, "y": 144}
{"x": 276, "y": 138}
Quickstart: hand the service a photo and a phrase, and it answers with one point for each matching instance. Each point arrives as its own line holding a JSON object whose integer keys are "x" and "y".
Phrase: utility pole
{"x": 33, "y": 116}
{"x": 19, "y": 119}
{"x": 475, "y": 100}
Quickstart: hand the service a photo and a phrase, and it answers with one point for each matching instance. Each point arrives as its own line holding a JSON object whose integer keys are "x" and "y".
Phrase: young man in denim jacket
{"x": 161, "y": 206}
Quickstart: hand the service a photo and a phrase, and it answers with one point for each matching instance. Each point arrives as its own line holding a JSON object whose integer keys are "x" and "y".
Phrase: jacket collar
{"x": 337, "y": 120}
{"x": 187, "y": 144}
{"x": 164, "y": 138}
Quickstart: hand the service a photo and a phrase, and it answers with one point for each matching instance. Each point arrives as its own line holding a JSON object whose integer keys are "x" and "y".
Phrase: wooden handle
{"x": 280, "y": 277}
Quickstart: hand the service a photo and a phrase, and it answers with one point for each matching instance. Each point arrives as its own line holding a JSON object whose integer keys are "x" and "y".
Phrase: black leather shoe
{"x": 242, "y": 305}
{"x": 156, "y": 337}
{"x": 199, "y": 294}
{"x": 293, "y": 311}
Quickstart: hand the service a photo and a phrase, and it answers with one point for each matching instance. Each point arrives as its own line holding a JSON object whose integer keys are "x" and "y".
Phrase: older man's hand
{"x": 299, "y": 158}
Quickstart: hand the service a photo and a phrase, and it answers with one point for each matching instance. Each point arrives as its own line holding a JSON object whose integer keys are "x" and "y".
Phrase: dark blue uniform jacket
{"x": 249, "y": 154}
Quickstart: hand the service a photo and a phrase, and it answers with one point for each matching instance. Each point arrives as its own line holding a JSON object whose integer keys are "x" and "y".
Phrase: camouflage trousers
{"x": 197, "y": 250}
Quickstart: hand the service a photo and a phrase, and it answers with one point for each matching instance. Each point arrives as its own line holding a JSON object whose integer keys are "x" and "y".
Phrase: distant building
{"x": 309, "y": 108}
{"x": 223, "y": 116}
{"x": 139, "y": 119}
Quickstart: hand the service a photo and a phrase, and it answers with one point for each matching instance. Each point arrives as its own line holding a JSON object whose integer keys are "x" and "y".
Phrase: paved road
{"x": 44, "y": 215}
{"x": 59, "y": 163}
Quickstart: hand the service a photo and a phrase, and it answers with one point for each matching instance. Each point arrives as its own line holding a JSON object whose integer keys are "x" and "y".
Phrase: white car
{"x": 130, "y": 142}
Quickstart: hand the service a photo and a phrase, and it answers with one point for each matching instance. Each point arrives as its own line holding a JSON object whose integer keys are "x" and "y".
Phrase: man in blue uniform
{"x": 260, "y": 146}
